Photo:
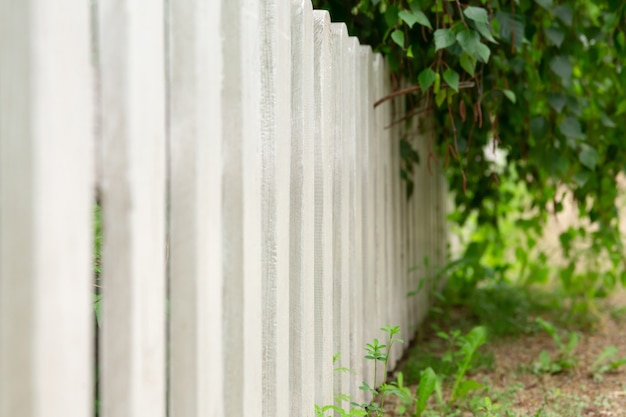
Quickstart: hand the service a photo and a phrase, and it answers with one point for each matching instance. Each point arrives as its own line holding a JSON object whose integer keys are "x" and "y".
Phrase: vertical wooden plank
{"x": 324, "y": 121}
{"x": 301, "y": 263}
{"x": 394, "y": 297}
{"x": 133, "y": 196}
{"x": 347, "y": 133}
{"x": 371, "y": 260}
{"x": 275, "y": 187}
{"x": 338, "y": 39}
{"x": 363, "y": 154}
{"x": 241, "y": 208}
{"x": 46, "y": 200}
{"x": 420, "y": 222}
{"x": 379, "y": 180}
{"x": 356, "y": 230}
{"x": 400, "y": 212}
{"x": 196, "y": 320}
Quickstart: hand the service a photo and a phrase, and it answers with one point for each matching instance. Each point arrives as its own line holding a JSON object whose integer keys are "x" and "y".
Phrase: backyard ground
{"x": 510, "y": 368}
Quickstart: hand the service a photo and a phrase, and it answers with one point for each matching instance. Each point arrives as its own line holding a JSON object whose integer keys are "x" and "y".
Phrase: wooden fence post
{"x": 356, "y": 230}
{"x": 196, "y": 306}
{"x": 324, "y": 122}
{"x": 275, "y": 130}
{"x": 301, "y": 265}
{"x": 133, "y": 198}
{"x": 46, "y": 209}
{"x": 241, "y": 208}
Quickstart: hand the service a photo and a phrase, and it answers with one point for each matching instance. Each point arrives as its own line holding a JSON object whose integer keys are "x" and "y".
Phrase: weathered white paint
{"x": 275, "y": 189}
{"x": 379, "y": 141}
{"x": 363, "y": 171}
{"x": 323, "y": 267}
{"x": 242, "y": 240}
{"x": 290, "y": 237}
{"x": 356, "y": 231}
{"x": 301, "y": 265}
{"x": 346, "y": 138}
{"x": 46, "y": 200}
{"x": 341, "y": 193}
{"x": 196, "y": 316}
{"x": 133, "y": 208}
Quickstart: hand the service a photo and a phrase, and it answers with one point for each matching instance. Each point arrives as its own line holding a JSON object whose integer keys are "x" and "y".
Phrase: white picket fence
{"x": 255, "y": 223}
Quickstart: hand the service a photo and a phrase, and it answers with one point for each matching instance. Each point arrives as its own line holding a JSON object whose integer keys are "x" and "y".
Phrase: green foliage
{"x": 468, "y": 345}
{"x": 378, "y": 352}
{"x": 428, "y": 384}
{"x": 538, "y": 79}
{"x": 565, "y": 358}
{"x": 606, "y": 362}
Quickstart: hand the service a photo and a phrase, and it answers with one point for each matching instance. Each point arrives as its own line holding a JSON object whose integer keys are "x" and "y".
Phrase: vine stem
{"x": 417, "y": 88}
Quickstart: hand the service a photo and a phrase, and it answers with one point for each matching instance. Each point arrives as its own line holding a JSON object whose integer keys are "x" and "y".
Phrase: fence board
{"x": 276, "y": 149}
{"x": 46, "y": 201}
{"x": 324, "y": 122}
{"x": 356, "y": 229}
{"x": 301, "y": 263}
{"x": 196, "y": 371}
{"x": 290, "y": 238}
{"x": 241, "y": 228}
{"x": 133, "y": 194}
{"x": 380, "y": 243}
{"x": 341, "y": 272}
{"x": 363, "y": 139}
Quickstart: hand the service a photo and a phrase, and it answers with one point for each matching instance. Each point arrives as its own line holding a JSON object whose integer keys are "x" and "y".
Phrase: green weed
{"x": 606, "y": 362}
{"x": 565, "y": 358}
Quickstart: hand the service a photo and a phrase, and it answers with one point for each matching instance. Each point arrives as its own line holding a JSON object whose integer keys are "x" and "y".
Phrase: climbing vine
{"x": 541, "y": 80}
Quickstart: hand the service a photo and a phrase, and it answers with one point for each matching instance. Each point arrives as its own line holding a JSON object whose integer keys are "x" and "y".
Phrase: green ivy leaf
{"x": 562, "y": 67}
{"x": 589, "y": 157}
{"x": 570, "y": 128}
{"x": 555, "y": 36}
{"x": 580, "y": 178}
{"x": 468, "y": 39}
{"x": 565, "y": 14}
{"x": 414, "y": 16}
{"x": 477, "y": 14}
{"x": 444, "y": 38}
{"x": 511, "y": 28}
{"x": 398, "y": 37}
{"x": 426, "y": 78}
{"x": 538, "y": 127}
{"x": 510, "y": 95}
{"x": 451, "y": 77}
{"x": 546, "y": 4}
{"x": 468, "y": 63}
{"x": 483, "y": 52}
{"x": 485, "y": 30}
{"x": 556, "y": 101}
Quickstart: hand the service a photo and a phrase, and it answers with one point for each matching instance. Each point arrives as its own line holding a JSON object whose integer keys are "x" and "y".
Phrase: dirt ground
{"x": 517, "y": 390}
{"x": 573, "y": 393}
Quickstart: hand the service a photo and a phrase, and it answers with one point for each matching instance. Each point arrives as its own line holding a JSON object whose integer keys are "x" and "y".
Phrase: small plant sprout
{"x": 565, "y": 358}
{"x": 377, "y": 352}
{"x": 469, "y": 345}
{"x": 403, "y": 393}
{"x": 428, "y": 383}
{"x": 606, "y": 362}
{"x": 489, "y": 408}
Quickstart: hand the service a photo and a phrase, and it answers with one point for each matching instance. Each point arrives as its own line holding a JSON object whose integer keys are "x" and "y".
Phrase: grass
{"x": 505, "y": 351}
{"x": 566, "y": 358}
